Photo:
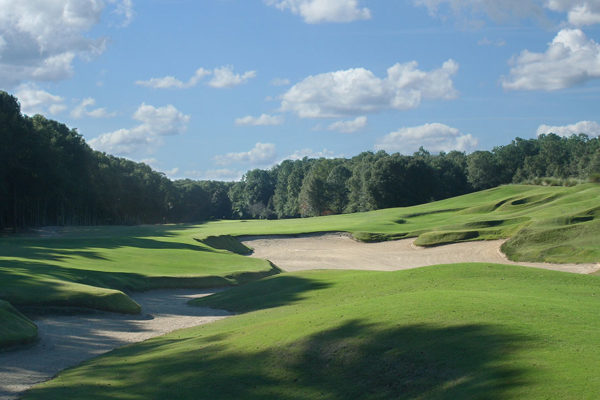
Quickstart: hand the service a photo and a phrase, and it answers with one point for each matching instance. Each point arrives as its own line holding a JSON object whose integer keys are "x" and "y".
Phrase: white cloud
{"x": 222, "y": 174}
{"x": 276, "y": 81}
{"x": 124, "y": 8}
{"x": 318, "y": 11}
{"x": 42, "y": 38}
{"x": 580, "y": 12}
{"x": 570, "y": 59}
{"x": 262, "y": 120}
{"x": 487, "y": 42}
{"x": 498, "y": 10}
{"x": 168, "y": 82}
{"x": 81, "y": 110}
{"x": 261, "y": 154}
{"x": 150, "y": 161}
{"x": 359, "y": 91}
{"x": 161, "y": 120}
{"x": 172, "y": 172}
{"x": 349, "y": 126}
{"x": 126, "y": 142}
{"x": 433, "y": 137}
{"x": 300, "y": 154}
{"x": 155, "y": 122}
{"x": 590, "y": 128}
{"x": 37, "y": 101}
{"x": 224, "y": 77}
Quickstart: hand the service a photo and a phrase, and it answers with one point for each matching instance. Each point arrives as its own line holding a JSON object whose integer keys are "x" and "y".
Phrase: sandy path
{"x": 340, "y": 251}
{"x": 66, "y": 341}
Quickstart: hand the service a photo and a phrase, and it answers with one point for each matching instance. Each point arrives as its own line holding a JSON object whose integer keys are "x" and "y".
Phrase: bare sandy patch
{"x": 340, "y": 251}
{"x": 67, "y": 340}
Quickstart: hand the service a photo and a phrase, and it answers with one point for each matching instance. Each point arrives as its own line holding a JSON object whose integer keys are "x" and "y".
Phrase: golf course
{"x": 472, "y": 329}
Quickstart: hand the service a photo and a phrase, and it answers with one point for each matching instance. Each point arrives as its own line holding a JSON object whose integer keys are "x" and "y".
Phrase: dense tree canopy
{"x": 50, "y": 176}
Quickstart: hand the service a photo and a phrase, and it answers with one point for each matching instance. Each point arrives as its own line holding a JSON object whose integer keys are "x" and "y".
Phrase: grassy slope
{"x": 553, "y": 224}
{"x": 456, "y": 331}
{"x": 15, "y": 328}
{"x": 90, "y": 267}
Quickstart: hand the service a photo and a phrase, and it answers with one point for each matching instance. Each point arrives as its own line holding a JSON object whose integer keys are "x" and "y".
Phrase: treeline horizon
{"x": 51, "y": 176}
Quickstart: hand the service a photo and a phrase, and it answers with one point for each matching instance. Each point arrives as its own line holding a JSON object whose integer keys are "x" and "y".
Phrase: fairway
{"x": 299, "y": 200}
{"x": 479, "y": 330}
{"x": 453, "y": 331}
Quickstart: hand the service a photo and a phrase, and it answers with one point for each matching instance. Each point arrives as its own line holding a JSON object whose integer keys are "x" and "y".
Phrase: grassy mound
{"x": 226, "y": 242}
{"x": 92, "y": 266}
{"x": 533, "y": 216}
{"x": 454, "y": 331}
{"x": 15, "y": 328}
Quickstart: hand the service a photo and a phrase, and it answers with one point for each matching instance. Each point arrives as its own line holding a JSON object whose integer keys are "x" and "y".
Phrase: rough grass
{"x": 475, "y": 331}
{"x": 15, "y": 328}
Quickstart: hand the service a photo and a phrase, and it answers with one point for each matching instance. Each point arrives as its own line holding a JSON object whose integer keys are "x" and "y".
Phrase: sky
{"x": 213, "y": 88}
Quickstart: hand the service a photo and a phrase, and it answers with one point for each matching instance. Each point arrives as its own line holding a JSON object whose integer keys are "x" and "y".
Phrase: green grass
{"x": 551, "y": 224}
{"x": 95, "y": 267}
{"x": 476, "y": 331}
{"x": 15, "y": 328}
{"x": 92, "y": 267}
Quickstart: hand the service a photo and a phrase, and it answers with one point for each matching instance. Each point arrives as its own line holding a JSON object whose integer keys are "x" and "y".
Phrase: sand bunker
{"x": 340, "y": 251}
{"x": 65, "y": 341}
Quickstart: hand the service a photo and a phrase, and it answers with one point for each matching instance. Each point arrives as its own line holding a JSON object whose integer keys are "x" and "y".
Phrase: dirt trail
{"x": 66, "y": 341}
{"x": 340, "y": 251}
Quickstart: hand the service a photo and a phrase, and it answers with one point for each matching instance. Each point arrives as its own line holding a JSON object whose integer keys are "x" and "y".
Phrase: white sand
{"x": 66, "y": 341}
{"x": 340, "y": 251}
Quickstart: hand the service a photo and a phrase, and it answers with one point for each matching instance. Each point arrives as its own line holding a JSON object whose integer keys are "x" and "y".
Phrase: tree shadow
{"x": 67, "y": 340}
{"x": 32, "y": 283}
{"x": 64, "y": 249}
{"x": 262, "y": 294}
{"x": 354, "y": 360}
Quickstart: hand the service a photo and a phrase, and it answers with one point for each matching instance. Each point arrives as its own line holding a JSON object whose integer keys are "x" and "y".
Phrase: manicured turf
{"x": 93, "y": 266}
{"x": 552, "y": 224}
{"x": 453, "y": 332}
{"x": 15, "y": 328}
{"x": 89, "y": 267}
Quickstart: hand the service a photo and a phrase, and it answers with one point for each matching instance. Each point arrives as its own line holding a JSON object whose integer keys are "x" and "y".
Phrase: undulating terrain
{"x": 451, "y": 331}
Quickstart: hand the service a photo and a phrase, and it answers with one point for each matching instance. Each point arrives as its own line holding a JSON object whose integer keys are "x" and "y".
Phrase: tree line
{"x": 50, "y": 176}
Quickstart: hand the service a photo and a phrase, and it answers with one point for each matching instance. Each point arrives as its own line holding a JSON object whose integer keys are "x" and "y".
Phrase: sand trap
{"x": 66, "y": 341}
{"x": 340, "y": 251}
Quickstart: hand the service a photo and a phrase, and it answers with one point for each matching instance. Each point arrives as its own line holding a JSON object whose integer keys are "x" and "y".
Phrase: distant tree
{"x": 337, "y": 188}
{"x": 483, "y": 170}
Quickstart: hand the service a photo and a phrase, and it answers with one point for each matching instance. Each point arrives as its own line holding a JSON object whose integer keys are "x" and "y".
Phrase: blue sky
{"x": 210, "y": 89}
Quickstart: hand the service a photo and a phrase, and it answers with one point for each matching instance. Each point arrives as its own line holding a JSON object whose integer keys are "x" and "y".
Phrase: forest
{"x": 49, "y": 175}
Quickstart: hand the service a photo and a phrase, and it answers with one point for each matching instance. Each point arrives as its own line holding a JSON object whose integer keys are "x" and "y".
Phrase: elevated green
{"x": 444, "y": 332}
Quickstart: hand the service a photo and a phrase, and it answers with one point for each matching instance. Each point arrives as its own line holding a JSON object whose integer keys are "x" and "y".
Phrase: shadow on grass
{"x": 354, "y": 360}
{"x": 266, "y": 293}
{"x": 29, "y": 283}
{"x": 61, "y": 249}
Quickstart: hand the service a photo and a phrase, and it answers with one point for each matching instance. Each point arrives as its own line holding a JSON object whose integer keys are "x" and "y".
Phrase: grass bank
{"x": 15, "y": 328}
{"x": 545, "y": 224}
{"x": 95, "y": 267}
{"x": 452, "y": 331}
